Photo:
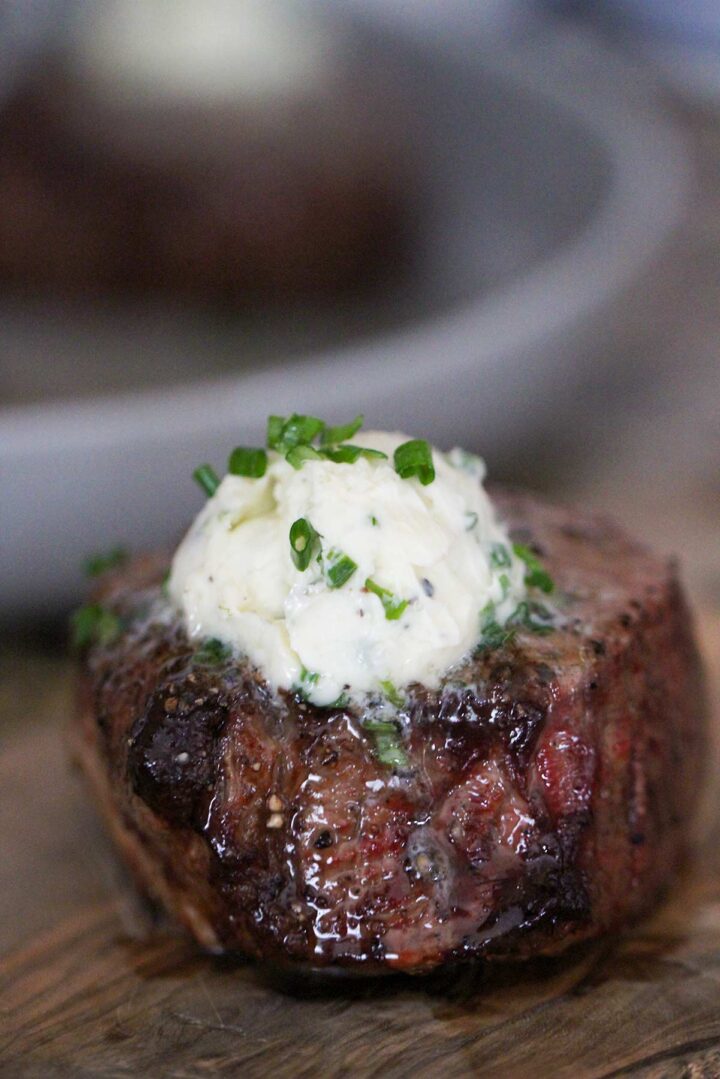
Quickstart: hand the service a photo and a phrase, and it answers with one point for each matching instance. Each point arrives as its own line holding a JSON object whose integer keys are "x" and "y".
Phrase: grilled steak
{"x": 544, "y": 797}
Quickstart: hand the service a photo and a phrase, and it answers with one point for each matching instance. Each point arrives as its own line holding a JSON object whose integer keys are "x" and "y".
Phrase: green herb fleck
{"x": 101, "y": 563}
{"x": 212, "y": 652}
{"x": 304, "y": 543}
{"x": 94, "y": 624}
{"x": 339, "y": 568}
{"x": 392, "y": 694}
{"x": 393, "y": 606}
{"x": 165, "y": 584}
{"x": 388, "y": 747}
{"x": 342, "y": 433}
{"x": 207, "y": 478}
{"x": 492, "y": 634}
{"x": 532, "y": 616}
{"x": 414, "y": 458}
{"x": 471, "y": 520}
{"x": 500, "y": 556}
{"x": 308, "y": 679}
{"x": 245, "y": 461}
{"x": 374, "y": 521}
{"x": 535, "y": 574}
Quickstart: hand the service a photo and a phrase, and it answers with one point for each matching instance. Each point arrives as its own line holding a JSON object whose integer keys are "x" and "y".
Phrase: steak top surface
{"x": 543, "y": 795}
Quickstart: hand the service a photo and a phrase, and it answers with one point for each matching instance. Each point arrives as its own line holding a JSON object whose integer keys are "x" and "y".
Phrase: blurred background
{"x": 489, "y": 223}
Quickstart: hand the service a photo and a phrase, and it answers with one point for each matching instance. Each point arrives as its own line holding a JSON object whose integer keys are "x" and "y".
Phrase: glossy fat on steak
{"x": 546, "y": 799}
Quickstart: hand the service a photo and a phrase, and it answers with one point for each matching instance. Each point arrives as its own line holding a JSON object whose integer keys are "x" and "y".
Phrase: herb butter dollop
{"x": 401, "y": 576}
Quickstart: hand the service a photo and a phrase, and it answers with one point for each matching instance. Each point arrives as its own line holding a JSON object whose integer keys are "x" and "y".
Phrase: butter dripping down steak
{"x": 546, "y": 798}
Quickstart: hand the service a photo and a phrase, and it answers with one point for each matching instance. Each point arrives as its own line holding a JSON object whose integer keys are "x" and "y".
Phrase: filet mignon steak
{"x": 545, "y": 798}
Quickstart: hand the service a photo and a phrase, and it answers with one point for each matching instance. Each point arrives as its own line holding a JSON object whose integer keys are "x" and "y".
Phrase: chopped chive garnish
{"x": 392, "y": 693}
{"x": 471, "y": 519}
{"x": 504, "y": 584}
{"x": 212, "y": 652}
{"x": 101, "y": 563}
{"x": 298, "y": 455}
{"x": 304, "y": 543}
{"x": 208, "y": 479}
{"x": 165, "y": 583}
{"x": 284, "y": 434}
{"x": 372, "y": 455}
{"x": 275, "y": 426}
{"x": 348, "y": 455}
{"x": 393, "y": 606}
{"x": 341, "y": 455}
{"x": 500, "y": 556}
{"x": 388, "y": 747}
{"x": 341, "y": 433}
{"x": 414, "y": 458}
{"x": 94, "y": 624}
{"x": 339, "y": 568}
{"x": 374, "y": 521}
{"x": 536, "y": 576}
{"x": 245, "y": 461}
{"x": 295, "y": 435}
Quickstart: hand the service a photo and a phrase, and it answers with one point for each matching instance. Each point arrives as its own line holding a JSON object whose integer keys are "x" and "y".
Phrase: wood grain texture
{"x": 89, "y": 986}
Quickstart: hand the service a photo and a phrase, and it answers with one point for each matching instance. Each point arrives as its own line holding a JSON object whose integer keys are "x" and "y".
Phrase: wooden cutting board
{"x": 89, "y": 987}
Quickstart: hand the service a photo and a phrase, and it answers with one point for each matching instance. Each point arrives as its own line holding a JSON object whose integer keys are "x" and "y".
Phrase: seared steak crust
{"x": 546, "y": 798}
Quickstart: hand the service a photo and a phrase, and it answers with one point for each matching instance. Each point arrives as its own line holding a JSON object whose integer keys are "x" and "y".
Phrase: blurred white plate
{"x": 546, "y": 199}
